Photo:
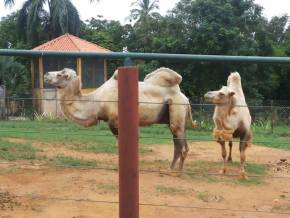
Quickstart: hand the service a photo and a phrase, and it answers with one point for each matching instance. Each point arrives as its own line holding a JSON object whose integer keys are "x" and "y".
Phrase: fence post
{"x": 272, "y": 117}
{"x": 128, "y": 138}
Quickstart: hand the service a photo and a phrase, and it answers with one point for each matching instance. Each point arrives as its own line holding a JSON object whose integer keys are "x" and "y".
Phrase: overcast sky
{"x": 120, "y": 9}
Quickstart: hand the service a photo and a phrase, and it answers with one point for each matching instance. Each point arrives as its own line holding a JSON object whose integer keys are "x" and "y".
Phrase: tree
{"x": 144, "y": 10}
{"x": 107, "y": 33}
{"x": 15, "y": 77}
{"x": 40, "y": 25}
{"x": 219, "y": 27}
{"x": 8, "y": 33}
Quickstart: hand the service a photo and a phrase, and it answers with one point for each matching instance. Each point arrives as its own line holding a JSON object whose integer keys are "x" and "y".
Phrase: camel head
{"x": 222, "y": 96}
{"x": 60, "y": 79}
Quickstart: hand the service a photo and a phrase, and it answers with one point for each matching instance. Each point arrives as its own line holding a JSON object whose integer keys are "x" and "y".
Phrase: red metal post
{"x": 128, "y": 138}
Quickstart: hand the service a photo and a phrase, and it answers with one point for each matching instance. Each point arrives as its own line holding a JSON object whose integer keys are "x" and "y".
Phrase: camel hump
{"x": 234, "y": 78}
{"x": 163, "y": 77}
{"x": 115, "y": 75}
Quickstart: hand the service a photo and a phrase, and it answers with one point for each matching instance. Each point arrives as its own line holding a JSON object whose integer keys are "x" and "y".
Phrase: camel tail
{"x": 193, "y": 123}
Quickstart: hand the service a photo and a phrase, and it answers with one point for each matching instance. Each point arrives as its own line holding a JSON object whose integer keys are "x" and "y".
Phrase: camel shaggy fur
{"x": 161, "y": 101}
{"x": 232, "y": 118}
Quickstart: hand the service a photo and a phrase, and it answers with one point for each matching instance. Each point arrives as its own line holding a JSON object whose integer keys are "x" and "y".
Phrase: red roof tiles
{"x": 69, "y": 42}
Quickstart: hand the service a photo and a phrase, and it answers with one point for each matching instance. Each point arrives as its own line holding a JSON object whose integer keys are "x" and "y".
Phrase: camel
{"x": 232, "y": 118}
{"x": 161, "y": 101}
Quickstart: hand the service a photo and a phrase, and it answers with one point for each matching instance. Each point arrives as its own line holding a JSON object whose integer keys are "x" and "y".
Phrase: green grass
{"x": 207, "y": 197}
{"x": 72, "y": 162}
{"x": 281, "y": 207}
{"x": 107, "y": 187}
{"x": 169, "y": 190}
{"x": 13, "y": 151}
{"x": 205, "y": 168}
{"x": 100, "y": 139}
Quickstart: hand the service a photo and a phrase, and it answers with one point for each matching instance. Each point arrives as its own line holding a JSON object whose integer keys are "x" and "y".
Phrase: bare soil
{"x": 20, "y": 186}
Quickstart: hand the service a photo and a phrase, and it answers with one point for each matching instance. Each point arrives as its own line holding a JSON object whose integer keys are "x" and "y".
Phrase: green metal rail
{"x": 149, "y": 56}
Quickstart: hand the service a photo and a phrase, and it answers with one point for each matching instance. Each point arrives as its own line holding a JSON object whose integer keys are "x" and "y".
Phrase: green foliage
{"x": 8, "y": 33}
{"x": 144, "y": 9}
{"x": 169, "y": 190}
{"x": 35, "y": 24}
{"x": 14, "y": 76}
{"x": 71, "y": 162}
{"x": 220, "y": 27}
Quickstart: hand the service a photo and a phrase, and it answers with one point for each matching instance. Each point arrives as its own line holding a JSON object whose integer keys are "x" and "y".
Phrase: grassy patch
{"x": 281, "y": 207}
{"x": 107, "y": 187}
{"x": 72, "y": 162}
{"x": 102, "y": 187}
{"x": 207, "y": 197}
{"x": 66, "y": 131}
{"x": 96, "y": 148}
{"x": 155, "y": 164}
{"x": 202, "y": 170}
{"x": 13, "y": 151}
{"x": 169, "y": 190}
{"x": 256, "y": 169}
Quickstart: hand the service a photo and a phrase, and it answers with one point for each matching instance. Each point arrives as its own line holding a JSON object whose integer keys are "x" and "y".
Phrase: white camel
{"x": 166, "y": 104}
{"x": 232, "y": 118}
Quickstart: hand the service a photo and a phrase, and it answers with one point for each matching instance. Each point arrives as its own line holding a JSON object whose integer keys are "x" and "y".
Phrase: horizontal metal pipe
{"x": 149, "y": 56}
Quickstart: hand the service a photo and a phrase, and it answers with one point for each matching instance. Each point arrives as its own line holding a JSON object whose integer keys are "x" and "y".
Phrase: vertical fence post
{"x": 272, "y": 117}
{"x": 128, "y": 138}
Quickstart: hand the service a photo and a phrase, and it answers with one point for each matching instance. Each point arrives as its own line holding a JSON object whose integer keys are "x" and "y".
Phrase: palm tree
{"x": 62, "y": 17}
{"x": 14, "y": 76}
{"x": 144, "y": 9}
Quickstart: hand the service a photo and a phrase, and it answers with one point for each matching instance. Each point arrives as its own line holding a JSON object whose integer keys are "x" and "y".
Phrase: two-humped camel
{"x": 166, "y": 104}
{"x": 232, "y": 118}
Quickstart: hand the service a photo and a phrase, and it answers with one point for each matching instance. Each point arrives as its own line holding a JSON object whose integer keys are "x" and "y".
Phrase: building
{"x": 92, "y": 71}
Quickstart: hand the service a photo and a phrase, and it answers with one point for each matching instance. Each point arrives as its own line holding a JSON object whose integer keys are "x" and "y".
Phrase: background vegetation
{"x": 222, "y": 27}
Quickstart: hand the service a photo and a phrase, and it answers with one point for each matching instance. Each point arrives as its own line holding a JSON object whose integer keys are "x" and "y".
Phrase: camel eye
{"x": 221, "y": 94}
{"x": 58, "y": 75}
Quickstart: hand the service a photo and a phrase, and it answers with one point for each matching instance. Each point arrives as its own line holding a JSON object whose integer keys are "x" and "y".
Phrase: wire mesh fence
{"x": 269, "y": 118}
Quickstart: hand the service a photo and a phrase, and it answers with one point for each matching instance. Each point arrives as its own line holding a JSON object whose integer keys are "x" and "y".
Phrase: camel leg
{"x": 183, "y": 155}
{"x": 177, "y": 118}
{"x": 178, "y": 146}
{"x": 243, "y": 158}
{"x": 115, "y": 132}
{"x": 224, "y": 155}
{"x": 230, "y": 151}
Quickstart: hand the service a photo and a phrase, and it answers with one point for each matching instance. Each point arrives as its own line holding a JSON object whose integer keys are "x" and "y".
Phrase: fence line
{"x": 145, "y": 102}
{"x": 143, "y": 137}
{"x": 39, "y": 197}
{"x": 168, "y": 172}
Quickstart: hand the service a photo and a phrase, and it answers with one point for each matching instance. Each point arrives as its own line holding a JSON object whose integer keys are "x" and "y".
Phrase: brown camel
{"x": 161, "y": 101}
{"x": 232, "y": 118}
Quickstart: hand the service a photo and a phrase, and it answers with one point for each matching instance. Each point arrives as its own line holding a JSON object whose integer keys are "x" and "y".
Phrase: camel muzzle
{"x": 208, "y": 97}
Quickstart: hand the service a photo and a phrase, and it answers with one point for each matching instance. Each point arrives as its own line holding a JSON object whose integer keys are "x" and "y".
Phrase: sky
{"x": 120, "y": 9}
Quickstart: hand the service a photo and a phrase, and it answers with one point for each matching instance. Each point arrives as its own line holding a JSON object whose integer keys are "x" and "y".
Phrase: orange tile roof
{"x": 68, "y": 42}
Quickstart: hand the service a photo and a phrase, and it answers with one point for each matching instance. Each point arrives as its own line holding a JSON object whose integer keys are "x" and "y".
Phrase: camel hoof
{"x": 223, "y": 171}
{"x": 230, "y": 160}
{"x": 244, "y": 176}
{"x": 169, "y": 172}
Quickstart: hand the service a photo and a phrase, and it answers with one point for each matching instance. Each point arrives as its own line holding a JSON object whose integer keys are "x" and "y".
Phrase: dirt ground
{"x": 20, "y": 186}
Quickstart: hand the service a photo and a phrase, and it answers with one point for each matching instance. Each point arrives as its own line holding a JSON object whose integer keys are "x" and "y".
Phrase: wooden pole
{"x": 79, "y": 68}
{"x": 32, "y": 82}
{"x": 41, "y": 85}
{"x": 105, "y": 70}
{"x": 128, "y": 142}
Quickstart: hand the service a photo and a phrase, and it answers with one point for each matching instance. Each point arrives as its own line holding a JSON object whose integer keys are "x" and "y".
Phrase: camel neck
{"x": 222, "y": 113}
{"x": 75, "y": 106}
